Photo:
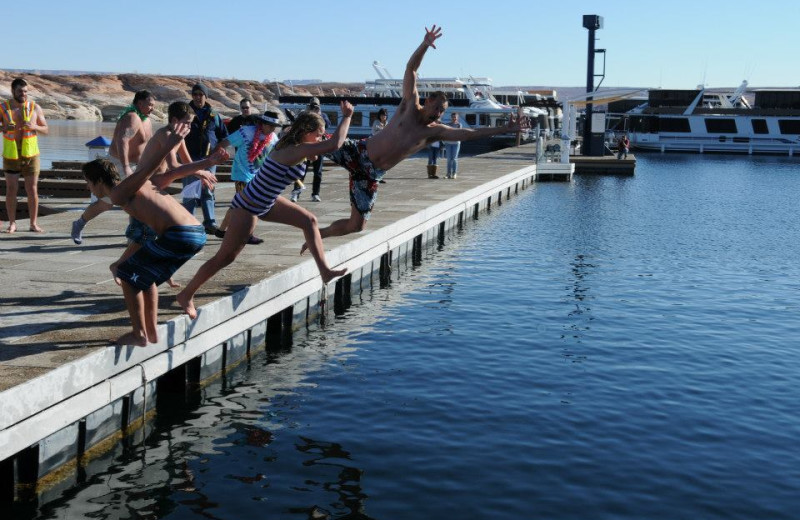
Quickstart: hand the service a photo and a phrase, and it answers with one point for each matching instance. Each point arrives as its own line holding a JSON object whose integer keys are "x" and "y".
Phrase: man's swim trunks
{"x": 158, "y": 259}
{"x": 26, "y": 166}
{"x": 364, "y": 176}
{"x": 138, "y": 232}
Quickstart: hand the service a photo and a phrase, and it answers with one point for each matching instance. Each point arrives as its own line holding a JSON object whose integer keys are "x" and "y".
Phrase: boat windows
{"x": 789, "y": 126}
{"x": 357, "y": 119}
{"x": 671, "y": 98}
{"x": 485, "y": 120}
{"x": 673, "y": 124}
{"x": 760, "y": 126}
{"x": 471, "y": 119}
{"x": 333, "y": 116}
{"x": 718, "y": 125}
{"x": 642, "y": 124}
{"x": 780, "y": 99}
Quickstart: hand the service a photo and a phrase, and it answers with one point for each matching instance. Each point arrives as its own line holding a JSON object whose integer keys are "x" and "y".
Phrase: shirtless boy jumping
{"x": 180, "y": 235}
{"x": 412, "y": 128}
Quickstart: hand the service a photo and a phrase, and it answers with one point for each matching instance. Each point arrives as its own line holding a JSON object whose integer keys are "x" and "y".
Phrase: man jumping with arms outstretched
{"x": 412, "y": 128}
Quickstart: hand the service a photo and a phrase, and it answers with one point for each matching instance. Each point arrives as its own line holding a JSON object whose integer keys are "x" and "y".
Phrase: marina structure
{"x": 703, "y": 121}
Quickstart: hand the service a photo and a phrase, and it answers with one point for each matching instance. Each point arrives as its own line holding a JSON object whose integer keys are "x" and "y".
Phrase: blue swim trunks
{"x": 139, "y": 232}
{"x": 158, "y": 259}
{"x": 364, "y": 176}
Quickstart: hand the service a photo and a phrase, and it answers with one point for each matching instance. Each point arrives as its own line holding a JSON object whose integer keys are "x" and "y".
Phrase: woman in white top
{"x": 380, "y": 123}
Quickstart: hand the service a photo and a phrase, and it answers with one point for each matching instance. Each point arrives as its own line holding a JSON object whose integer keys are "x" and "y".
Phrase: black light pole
{"x": 591, "y": 147}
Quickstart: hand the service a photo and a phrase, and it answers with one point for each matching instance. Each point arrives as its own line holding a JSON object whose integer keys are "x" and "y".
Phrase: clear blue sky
{"x": 676, "y": 44}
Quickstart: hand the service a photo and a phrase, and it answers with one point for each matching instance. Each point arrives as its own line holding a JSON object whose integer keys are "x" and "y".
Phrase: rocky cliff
{"x": 101, "y": 97}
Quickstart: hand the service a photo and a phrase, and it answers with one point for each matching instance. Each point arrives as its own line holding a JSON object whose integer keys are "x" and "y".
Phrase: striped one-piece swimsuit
{"x": 259, "y": 195}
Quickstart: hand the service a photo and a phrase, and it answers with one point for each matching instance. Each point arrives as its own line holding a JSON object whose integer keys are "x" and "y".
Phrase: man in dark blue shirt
{"x": 313, "y": 106}
{"x": 207, "y": 130}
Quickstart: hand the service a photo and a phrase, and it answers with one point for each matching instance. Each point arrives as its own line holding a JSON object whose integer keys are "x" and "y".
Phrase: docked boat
{"x": 471, "y": 98}
{"x": 722, "y": 122}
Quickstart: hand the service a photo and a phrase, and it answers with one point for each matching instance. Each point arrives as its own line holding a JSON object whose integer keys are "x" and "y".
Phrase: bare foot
{"x": 113, "y": 269}
{"x": 330, "y": 274}
{"x": 187, "y": 305}
{"x": 172, "y": 283}
{"x": 36, "y": 229}
{"x": 132, "y": 338}
{"x": 303, "y": 249}
{"x": 12, "y": 228}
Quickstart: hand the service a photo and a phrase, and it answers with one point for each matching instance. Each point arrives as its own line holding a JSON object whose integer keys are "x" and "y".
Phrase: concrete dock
{"x": 64, "y": 391}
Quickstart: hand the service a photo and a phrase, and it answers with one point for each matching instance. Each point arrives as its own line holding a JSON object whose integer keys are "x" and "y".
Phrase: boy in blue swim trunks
{"x": 180, "y": 235}
{"x": 411, "y": 129}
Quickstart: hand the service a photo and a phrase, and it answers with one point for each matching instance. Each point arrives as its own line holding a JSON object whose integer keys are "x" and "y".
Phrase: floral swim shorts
{"x": 364, "y": 176}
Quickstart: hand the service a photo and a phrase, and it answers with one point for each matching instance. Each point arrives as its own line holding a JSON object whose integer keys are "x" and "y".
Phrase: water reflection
{"x": 347, "y": 486}
{"x": 443, "y": 400}
{"x": 236, "y": 430}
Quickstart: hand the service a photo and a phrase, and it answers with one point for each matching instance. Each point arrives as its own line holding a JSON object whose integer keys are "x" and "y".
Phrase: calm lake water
{"x": 67, "y": 140}
{"x": 614, "y": 348}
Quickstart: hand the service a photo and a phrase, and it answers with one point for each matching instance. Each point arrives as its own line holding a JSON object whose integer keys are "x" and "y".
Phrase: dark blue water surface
{"x": 617, "y": 347}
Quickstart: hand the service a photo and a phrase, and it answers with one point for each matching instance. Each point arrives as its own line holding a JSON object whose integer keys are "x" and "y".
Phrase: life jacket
{"x": 30, "y": 145}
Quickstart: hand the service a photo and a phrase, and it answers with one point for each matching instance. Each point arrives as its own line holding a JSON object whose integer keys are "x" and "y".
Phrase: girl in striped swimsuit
{"x": 260, "y": 199}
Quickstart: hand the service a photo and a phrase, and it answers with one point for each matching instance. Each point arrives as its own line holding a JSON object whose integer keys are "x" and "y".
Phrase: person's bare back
{"x": 132, "y": 132}
{"x": 136, "y": 131}
{"x": 405, "y": 134}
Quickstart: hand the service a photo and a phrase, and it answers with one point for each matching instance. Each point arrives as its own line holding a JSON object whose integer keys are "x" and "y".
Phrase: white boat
{"x": 471, "y": 98}
{"x": 722, "y": 122}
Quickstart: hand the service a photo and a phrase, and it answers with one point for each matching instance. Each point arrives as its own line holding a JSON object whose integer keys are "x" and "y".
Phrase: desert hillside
{"x": 96, "y": 97}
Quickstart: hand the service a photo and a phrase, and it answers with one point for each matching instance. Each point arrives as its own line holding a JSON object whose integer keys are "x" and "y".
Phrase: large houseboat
{"x": 723, "y": 122}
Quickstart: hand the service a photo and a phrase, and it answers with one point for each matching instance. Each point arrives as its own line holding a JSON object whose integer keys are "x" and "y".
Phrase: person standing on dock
{"x": 452, "y": 148}
{"x": 412, "y": 128}
{"x": 433, "y": 155}
{"x": 244, "y": 108}
{"x": 22, "y": 122}
{"x": 313, "y": 106}
{"x": 623, "y": 146}
{"x": 207, "y": 130}
{"x": 131, "y": 134}
{"x": 380, "y": 123}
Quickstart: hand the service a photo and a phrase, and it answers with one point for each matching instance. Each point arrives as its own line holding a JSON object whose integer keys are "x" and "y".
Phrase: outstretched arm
{"x": 163, "y": 180}
{"x": 295, "y": 154}
{"x": 410, "y": 78}
{"x": 447, "y": 133}
{"x": 125, "y": 190}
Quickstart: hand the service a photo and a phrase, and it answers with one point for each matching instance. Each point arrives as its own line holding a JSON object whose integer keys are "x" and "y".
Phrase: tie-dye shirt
{"x": 244, "y": 170}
